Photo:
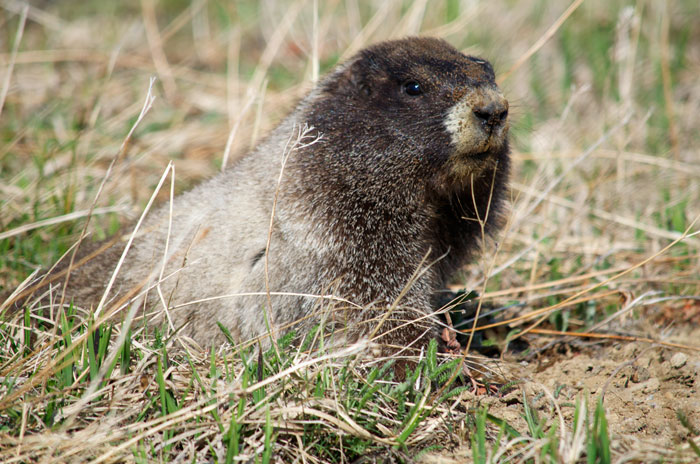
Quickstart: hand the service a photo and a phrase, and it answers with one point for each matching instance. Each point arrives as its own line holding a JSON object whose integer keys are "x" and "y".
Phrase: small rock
{"x": 629, "y": 350}
{"x": 695, "y": 366}
{"x": 640, "y": 374}
{"x": 678, "y": 360}
{"x": 652, "y": 385}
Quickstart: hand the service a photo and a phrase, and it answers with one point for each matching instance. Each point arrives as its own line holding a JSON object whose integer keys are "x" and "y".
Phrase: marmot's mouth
{"x": 481, "y": 154}
{"x": 492, "y": 145}
{"x": 469, "y": 159}
{"x": 487, "y": 147}
{"x": 486, "y": 150}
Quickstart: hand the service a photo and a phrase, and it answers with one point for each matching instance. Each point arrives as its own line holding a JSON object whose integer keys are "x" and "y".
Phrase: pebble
{"x": 678, "y": 360}
{"x": 640, "y": 374}
{"x": 652, "y": 385}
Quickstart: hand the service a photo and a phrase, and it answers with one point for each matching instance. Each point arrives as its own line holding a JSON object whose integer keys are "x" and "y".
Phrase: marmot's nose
{"x": 492, "y": 114}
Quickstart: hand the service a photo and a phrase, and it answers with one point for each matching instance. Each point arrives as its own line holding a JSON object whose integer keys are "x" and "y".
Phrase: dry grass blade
{"x": 155, "y": 42}
{"x": 150, "y": 98}
{"x": 541, "y": 41}
{"x": 666, "y": 78}
{"x": 543, "y": 311}
{"x": 614, "y": 337}
{"x": 35, "y": 14}
{"x": 59, "y": 219}
{"x": 13, "y": 57}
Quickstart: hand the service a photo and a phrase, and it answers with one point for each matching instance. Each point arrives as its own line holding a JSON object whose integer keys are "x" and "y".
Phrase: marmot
{"x": 382, "y": 181}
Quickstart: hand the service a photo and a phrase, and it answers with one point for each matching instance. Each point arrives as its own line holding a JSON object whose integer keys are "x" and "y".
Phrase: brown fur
{"x": 359, "y": 213}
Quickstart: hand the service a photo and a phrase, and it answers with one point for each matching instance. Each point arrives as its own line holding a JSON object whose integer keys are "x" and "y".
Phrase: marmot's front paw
{"x": 451, "y": 345}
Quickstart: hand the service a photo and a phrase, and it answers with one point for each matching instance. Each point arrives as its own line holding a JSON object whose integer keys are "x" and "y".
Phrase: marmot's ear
{"x": 358, "y": 76}
{"x": 355, "y": 76}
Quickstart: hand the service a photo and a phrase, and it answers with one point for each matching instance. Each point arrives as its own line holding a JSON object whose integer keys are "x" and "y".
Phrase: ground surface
{"x": 644, "y": 386}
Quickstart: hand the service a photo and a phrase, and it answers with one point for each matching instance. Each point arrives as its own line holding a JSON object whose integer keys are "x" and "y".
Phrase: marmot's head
{"x": 416, "y": 101}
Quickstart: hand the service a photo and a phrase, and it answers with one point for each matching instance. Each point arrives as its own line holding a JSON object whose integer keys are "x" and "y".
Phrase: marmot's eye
{"x": 412, "y": 88}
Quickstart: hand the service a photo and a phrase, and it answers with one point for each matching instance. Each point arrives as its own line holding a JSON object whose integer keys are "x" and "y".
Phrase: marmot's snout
{"x": 478, "y": 122}
{"x": 492, "y": 115}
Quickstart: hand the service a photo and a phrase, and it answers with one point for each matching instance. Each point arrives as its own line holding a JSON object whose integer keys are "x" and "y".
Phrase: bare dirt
{"x": 645, "y": 388}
